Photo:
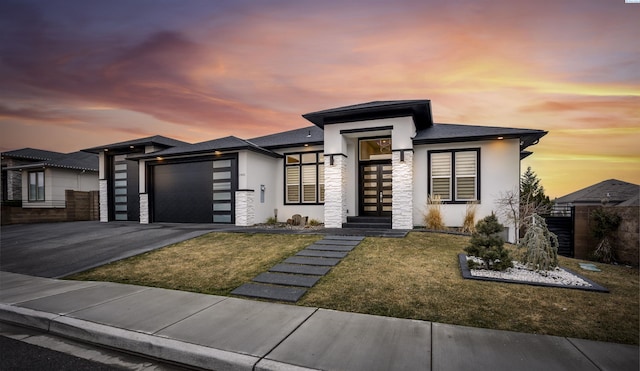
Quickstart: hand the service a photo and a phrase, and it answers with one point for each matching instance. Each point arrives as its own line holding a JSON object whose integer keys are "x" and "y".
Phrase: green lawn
{"x": 415, "y": 277}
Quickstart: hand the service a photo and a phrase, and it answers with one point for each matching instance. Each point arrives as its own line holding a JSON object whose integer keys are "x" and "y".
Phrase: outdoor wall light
{"x": 500, "y": 138}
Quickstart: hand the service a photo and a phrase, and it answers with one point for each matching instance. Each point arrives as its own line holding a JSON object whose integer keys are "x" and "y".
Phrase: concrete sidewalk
{"x": 224, "y": 333}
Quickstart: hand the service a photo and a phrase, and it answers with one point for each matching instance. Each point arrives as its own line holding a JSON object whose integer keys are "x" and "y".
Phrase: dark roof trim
{"x": 188, "y": 152}
{"x": 364, "y": 130}
{"x": 296, "y": 145}
{"x": 156, "y": 140}
{"x": 419, "y": 110}
{"x": 526, "y": 140}
{"x": 49, "y": 165}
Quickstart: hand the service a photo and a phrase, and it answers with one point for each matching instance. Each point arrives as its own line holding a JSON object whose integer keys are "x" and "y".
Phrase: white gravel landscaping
{"x": 559, "y": 277}
{"x": 520, "y": 272}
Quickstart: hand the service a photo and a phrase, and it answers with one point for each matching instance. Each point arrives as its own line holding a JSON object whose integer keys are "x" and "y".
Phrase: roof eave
{"x": 291, "y": 145}
{"x": 47, "y": 165}
{"x": 147, "y": 156}
{"x": 420, "y": 111}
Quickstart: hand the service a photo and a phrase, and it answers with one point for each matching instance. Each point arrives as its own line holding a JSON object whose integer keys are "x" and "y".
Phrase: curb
{"x": 135, "y": 342}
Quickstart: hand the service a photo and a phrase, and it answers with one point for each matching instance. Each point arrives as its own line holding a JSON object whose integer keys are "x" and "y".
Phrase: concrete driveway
{"x": 59, "y": 249}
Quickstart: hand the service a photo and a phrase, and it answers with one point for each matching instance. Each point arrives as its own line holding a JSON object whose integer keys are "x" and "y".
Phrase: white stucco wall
{"x": 499, "y": 173}
{"x": 254, "y": 170}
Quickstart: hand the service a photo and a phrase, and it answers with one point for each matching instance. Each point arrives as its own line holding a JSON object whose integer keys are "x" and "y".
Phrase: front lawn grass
{"x": 419, "y": 277}
{"x": 414, "y": 277}
{"x": 215, "y": 263}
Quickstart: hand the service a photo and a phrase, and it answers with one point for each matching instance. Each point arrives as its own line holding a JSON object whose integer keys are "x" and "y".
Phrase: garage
{"x": 199, "y": 191}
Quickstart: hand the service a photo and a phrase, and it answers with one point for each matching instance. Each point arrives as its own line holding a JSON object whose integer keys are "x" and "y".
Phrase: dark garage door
{"x": 182, "y": 192}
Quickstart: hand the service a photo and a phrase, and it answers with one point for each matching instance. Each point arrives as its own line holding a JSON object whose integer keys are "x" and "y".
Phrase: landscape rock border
{"x": 466, "y": 273}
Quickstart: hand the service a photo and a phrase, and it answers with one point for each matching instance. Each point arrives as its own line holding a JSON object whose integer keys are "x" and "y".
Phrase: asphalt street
{"x": 59, "y": 249}
{"x": 17, "y": 355}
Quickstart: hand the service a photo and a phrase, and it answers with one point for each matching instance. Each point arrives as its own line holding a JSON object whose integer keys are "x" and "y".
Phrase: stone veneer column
{"x": 335, "y": 195}
{"x": 402, "y": 176}
{"x": 144, "y": 208}
{"x": 245, "y": 208}
{"x": 104, "y": 200}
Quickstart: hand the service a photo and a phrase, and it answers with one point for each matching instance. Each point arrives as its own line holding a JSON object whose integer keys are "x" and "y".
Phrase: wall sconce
{"x": 402, "y": 155}
{"x": 331, "y": 160}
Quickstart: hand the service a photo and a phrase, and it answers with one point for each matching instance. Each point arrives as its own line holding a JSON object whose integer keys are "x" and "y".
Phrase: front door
{"x": 375, "y": 189}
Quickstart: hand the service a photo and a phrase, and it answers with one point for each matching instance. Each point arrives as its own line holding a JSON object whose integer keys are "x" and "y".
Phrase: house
{"x": 619, "y": 197}
{"x": 36, "y": 178}
{"x": 45, "y": 186}
{"x": 365, "y": 164}
{"x": 611, "y": 192}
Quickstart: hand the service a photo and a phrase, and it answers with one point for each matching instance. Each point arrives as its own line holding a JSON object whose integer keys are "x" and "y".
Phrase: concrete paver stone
{"x": 322, "y": 253}
{"x": 344, "y": 238}
{"x": 300, "y": 269}
{"x": 330, "y": 247}
{"x": 330, "y": 262}
{"x": 287, "y": 279}
{"x": 289, "y": 294}
{"x": 337, "y": 242}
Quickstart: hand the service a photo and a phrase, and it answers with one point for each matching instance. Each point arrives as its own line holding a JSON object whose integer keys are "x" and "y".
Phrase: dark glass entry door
{"x": 375, "y": 189}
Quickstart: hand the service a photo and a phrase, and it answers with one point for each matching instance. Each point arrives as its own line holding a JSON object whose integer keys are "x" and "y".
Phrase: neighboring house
{"x": 362, "y": 164}
{"x": 612, "y": 192}
{"x": 38, "y": 179}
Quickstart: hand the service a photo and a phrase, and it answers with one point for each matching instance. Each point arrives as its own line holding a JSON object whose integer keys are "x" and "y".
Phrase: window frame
{"x": 318, "y": 166}
{"x": 453, "y": 186}
{"x": 30, "y": 194}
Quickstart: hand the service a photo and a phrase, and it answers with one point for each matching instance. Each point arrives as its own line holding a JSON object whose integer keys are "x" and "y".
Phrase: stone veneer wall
{"x": 335, "y": 195}
{"x": 144, "y": 208}
{"x": 245, "y": 208}
{"x": 402, "y": 177}
{"x": 104, "y": 201}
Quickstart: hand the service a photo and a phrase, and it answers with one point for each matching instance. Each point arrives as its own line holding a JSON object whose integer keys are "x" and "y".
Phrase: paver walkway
{"x": 289, "y": 280}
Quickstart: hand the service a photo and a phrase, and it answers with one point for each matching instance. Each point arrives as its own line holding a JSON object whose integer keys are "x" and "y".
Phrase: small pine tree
{"x": 487, "y": 244}
{"x": 541, "y": 245}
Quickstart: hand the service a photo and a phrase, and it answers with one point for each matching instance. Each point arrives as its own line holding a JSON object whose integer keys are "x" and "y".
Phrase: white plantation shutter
{"x": 441, "y": 175}
{"x": 466, "y": 175}
{"x": 293, "y": 184}
{"x": 309, "y": 183}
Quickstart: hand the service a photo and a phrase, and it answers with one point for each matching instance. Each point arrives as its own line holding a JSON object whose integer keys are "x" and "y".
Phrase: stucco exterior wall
{"x": 499, "y": 174}
{"x": 255, "y": 170}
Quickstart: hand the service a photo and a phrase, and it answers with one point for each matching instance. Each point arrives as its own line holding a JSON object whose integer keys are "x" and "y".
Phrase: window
{"x": 304, "y": 178}
{"x": 454, "y": 175}
{"x": 36, "y": 186}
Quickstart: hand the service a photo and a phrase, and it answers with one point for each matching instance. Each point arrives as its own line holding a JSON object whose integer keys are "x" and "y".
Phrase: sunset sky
{"x": 78, "y": 74}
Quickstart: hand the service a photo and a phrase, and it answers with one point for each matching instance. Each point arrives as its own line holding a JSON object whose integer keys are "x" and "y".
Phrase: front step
{"x": 368, "y": 222}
